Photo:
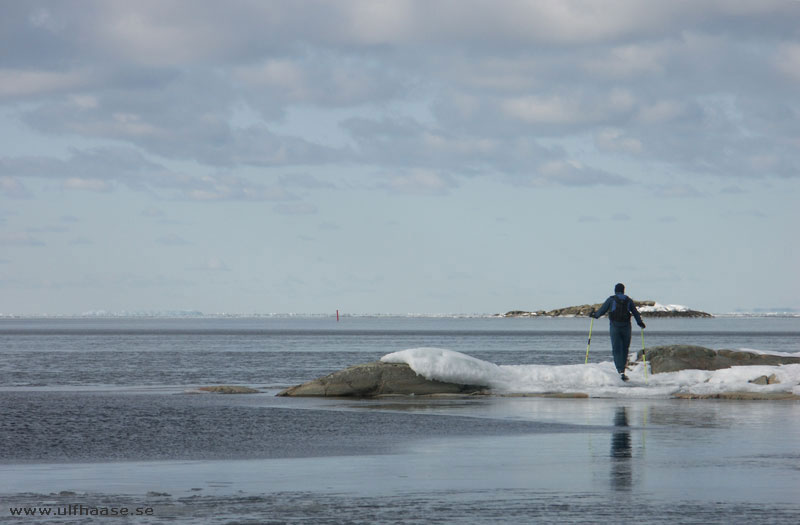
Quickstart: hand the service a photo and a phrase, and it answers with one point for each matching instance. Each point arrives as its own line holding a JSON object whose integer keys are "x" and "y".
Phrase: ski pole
{"x": 591, "y": 324}
{"x": 644, "y": 357}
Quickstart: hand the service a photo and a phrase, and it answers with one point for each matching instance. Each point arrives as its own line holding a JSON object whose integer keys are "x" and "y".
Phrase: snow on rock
{"x": 596, "y": 379}
{"x": 658, "y": 307}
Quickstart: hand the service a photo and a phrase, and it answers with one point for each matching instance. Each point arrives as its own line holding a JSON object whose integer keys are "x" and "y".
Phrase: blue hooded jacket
{"x": 611, "y": 304}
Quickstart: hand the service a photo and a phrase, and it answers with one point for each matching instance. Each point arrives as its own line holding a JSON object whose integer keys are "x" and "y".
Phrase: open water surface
{"x": 280, "y": 352}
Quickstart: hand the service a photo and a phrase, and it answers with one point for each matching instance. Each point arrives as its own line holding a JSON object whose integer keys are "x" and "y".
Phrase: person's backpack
{"x": 619, "y": 310}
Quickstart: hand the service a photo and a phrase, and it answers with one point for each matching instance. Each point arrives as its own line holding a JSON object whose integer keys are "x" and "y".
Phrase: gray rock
{"x": 374, "y": 379}
{"x": 741, "y": 396}
{"x": 672, "y": 358}
{"x": 378, "y": 378}
{"x": 764, "y": 380}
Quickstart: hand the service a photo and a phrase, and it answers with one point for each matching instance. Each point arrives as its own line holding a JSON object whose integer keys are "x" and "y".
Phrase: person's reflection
{"x": 621, "y": 468}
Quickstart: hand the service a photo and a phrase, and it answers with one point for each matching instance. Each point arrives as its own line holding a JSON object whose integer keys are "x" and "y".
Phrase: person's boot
{"x": 623, "y": 376}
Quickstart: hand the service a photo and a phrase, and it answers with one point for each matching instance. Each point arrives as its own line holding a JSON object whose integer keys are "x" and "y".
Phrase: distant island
{"x": 646, "y": 308}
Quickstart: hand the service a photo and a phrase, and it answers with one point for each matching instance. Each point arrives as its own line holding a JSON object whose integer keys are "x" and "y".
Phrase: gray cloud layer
{"x": 424, "y": 93}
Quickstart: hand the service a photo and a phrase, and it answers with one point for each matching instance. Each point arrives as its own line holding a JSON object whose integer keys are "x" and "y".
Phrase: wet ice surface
{"x": 92, "y": 426}
{"x": 257, "y": 459}
{"x": 471, "y": 506}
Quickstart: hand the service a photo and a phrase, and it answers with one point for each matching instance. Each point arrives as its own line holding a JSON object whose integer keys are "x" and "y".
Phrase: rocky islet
{"x": 381, "y": 379}
{"x": 646, "y": 309}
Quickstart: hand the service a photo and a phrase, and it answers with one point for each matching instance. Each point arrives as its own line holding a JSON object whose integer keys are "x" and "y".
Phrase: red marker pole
{"x": 337, "y": 316}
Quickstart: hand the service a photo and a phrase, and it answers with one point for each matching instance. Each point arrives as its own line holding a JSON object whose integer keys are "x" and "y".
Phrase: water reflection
{"x": 621, "y": 466}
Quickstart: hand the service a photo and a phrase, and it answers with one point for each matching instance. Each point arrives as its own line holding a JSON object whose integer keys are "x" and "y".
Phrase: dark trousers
{"x": 620, "y": 342}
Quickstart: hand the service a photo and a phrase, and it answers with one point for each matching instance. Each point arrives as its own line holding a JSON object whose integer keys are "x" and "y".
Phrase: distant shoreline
{"x": 510, "y": 314}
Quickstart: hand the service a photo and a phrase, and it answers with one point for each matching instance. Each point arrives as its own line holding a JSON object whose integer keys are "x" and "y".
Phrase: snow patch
{"x": 663, "y": 308}
{"x": 596, "y": 379}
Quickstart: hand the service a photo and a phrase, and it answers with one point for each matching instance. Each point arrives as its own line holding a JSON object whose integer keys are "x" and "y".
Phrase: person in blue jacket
{"x": 620, "y": 307}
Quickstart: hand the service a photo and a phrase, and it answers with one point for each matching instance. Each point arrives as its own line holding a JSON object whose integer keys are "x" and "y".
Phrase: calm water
{"x": 286, "y": 351}
{"x": 93, "y": 413}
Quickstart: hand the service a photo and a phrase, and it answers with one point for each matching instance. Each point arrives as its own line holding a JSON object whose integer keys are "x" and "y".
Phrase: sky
{"x": 397, "y": 156}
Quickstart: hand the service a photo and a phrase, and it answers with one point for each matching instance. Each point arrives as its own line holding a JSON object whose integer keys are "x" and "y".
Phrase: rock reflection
{"x": 621, "y": 467}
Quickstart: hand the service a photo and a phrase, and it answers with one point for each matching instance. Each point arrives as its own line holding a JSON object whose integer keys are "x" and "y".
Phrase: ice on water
{"x": 596, "y": 379}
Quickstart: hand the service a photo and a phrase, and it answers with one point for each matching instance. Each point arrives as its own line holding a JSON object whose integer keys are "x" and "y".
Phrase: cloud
{"x": 731, "y": 190}
{"x": 172, "y": 239}
{"x": 83, "y": 167}
{"x": 676, "y": 191}
{"x": 405, "y": 142}
{"x": 318, "y": 78}
{"x": 103, "y": 169}
{"x": 296, "y": 208}
{"x": 19, "y": 239}
{"x": 612, "y": 139}
{"x": 560, "y": 108}
{"x": 229, "y": 187}
{"x": 211, "y": 264}
{"x": 217, "y": 265}
{"x": 578, "y": 108}
{"x": 12, "y": 187}
{"x": 660, "y": 112}
{"x": 329, "y": 226}
{"x": 153, "y": 212}
{"x": 81, "y": 241}
{"x": 304, "y": 181}
{"x": 787, "y": 60}
{"x": 544, "y": 110}
{"x": 426, "y": 156}
{"x": 48, "y": 229}
{"x": 629, "y": 61}
{"x": 77, "y": 183}
{"x": 457, "y": 90}
{"x": 573, "y": 173}
{"x": 20, "y": 83}
{"x": 162, "y": 120}
{"x": 753, "y": 214}
{"x": 419, "y": 182}
{"x": 179, "y": 33}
